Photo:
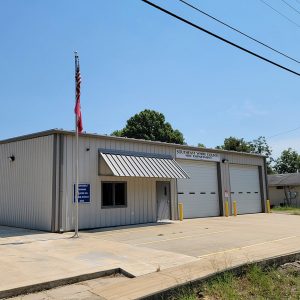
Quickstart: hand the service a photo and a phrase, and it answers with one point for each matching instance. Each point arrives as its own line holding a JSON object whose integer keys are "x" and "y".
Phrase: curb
{"x": 61, "y": 282}
{"x": 274, "y": 261}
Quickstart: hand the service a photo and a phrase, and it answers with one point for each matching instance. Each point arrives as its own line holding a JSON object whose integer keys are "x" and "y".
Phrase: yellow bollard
{"x": 180, "y": 206}
{"x": 268, "y": 206}
{"x": 226, "y": 209}
{"x": 234, "y": 208}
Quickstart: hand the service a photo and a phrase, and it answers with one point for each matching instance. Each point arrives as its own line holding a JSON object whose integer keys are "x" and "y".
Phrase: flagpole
{"x": 77, "y": 160}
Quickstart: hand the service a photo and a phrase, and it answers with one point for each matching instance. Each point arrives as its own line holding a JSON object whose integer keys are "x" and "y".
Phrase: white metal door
{"x": 163, "y": 200}
{"x": 245, "y": 188}
{"x": 199, "y": 194}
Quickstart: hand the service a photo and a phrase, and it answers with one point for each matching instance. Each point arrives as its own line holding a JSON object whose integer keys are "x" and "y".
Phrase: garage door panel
{"x": 199, "y": 194}
{"x": 245, "y": 188}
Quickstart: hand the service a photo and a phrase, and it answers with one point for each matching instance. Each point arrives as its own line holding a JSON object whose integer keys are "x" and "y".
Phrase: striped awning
{"x": 143, "y": 166}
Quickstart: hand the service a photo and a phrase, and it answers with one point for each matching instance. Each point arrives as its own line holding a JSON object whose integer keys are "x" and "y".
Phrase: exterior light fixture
{"x": 12, "y": 158}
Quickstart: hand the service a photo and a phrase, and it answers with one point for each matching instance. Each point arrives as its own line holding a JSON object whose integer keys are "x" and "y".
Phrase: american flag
{"x": 77, "y": 104}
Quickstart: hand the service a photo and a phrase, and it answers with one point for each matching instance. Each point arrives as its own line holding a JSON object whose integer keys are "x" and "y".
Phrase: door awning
{"x": 143, "y": 165}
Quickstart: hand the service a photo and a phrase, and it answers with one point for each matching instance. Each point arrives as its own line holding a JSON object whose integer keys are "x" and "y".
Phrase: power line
{"x": 290, "y": 6}
{"x": 283, "y": 132}
{"x": 284, "y": 16}
{"x": 220, "y": 38}
{"x": 244, "y": 34}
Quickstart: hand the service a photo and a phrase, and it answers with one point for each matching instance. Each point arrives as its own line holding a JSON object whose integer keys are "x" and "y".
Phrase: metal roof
{"x": 289, "y": 179}
{"x": 143, "y": 166}
{"x": 124, "y": 139}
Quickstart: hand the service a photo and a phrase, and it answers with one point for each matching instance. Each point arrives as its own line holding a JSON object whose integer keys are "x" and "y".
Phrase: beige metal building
{"x": 122, "y": 181}
{"x": 284, "y": 189}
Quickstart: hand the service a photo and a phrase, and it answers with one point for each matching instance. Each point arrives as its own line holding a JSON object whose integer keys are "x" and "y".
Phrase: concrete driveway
{"x": 29, "y": 257}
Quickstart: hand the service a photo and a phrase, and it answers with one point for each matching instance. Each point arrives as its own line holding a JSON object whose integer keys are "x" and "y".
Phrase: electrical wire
{"x": 237, "y": 30}
{"x": 220, "y": 38}
{"x": 292, "y": 7}
{"x": 283, "y": 132}
{"x": 284, "y": 16}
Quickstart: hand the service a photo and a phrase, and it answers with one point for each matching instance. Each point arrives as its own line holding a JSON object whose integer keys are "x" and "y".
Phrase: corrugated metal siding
{"x": 242, "y": 160}
{"x": 141, "y": 166}
{"x": 236, "y": 158}
{"x": 141, "y": 192}
{"x": 26, "y": 183}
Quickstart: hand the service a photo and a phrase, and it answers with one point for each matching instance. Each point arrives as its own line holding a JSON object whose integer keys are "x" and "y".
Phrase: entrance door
{"x": 163, "y": 200}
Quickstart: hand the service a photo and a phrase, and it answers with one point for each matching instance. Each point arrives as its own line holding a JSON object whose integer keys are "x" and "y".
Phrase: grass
{"x": 255, "y": 283}
{"x": 287, "y": 209}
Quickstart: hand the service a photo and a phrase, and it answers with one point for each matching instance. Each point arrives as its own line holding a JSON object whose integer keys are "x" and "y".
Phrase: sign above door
{"x": 197, "y": 155}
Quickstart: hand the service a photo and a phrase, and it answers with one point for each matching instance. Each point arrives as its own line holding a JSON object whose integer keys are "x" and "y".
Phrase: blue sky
{"x": 134, "y": 57}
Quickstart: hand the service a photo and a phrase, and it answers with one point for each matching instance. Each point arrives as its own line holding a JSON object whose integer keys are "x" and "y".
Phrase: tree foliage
{"x": 235, "y": 144}
{"x": 288, "y": 162}
{"x": 257, "y": 146}
{"x": 201, "y": 145}
{"x": 150, "y": 125}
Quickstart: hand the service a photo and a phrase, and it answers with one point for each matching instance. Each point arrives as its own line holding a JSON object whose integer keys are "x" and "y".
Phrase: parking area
{"x": 29, "y": 257}
{"x": 205, "y": 236}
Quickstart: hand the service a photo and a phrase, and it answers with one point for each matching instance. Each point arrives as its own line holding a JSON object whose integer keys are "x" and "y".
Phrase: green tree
{"x": 260, "y": 146}
{"x": 257, "y": 146}
{"x": 150, "y": 125}
{"x": 288, "y": 162}
{"x": 200, "y": 145}
{"x": 235, "y": 144}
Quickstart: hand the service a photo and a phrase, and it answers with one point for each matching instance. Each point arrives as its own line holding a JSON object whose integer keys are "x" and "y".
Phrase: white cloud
{"x": 246, "y": 109}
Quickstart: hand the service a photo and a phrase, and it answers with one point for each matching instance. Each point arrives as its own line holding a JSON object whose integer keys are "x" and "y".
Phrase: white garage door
{"x": 245, "y": 188}
{"x": 199, "y": 194}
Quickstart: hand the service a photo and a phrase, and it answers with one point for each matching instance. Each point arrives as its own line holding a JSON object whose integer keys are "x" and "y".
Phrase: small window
{"x": 114, "y": 194}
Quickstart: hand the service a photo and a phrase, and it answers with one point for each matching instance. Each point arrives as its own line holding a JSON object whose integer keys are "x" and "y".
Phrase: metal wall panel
{"x": 141, "y": 192}
{"x": 26, "y": 183}
{"x": 243, "y": 160}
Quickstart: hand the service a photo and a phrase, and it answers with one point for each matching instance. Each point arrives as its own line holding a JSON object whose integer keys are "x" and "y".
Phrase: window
{"x": 114, "y": 194}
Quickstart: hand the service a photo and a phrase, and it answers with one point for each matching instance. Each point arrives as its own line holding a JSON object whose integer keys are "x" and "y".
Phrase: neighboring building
{"x": 284, "y": 189}
{"x": 123, "y": 181}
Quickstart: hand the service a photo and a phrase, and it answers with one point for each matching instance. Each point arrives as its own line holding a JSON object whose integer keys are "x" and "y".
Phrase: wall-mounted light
{"x": 12, "y": 158}
{"x": 87, "y": 149}
{"x": 224, "y": 160}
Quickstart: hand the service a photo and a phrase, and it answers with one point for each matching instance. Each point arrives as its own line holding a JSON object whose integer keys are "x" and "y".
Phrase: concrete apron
{"x": 151, "y": 285}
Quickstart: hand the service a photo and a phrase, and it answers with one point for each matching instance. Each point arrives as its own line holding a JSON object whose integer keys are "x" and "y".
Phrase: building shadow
{"x": 123, "y": 227}
{"x": 8, "y": 231}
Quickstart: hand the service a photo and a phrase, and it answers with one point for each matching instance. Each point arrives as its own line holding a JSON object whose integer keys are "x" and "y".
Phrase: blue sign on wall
{"x": 84, "y": 195}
